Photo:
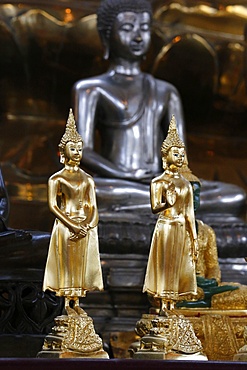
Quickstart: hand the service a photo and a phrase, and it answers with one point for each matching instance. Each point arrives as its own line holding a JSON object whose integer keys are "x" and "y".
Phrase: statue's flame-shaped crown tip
{"x": 172, "y": 126}
{"x": 71, "y": 133}
{"x": 172, "y": 139}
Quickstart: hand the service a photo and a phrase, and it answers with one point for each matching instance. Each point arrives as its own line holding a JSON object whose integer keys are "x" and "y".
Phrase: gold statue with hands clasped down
{"x": 171, "y": 270}
{"x": 73, "y": 262}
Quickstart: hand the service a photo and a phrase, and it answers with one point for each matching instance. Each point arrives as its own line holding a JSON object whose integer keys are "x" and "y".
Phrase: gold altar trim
{"x": 221, "y": 332}
{"x": 206, "y": 311}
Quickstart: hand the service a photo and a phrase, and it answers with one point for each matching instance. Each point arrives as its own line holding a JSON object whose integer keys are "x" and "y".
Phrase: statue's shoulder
{"x": 62, "y": 177}
{"x": 162, "y": 87}
{"x": 205, "y": 228}
{"x": 91, "y": 83}
{"x": 161, "y": 179}
{"x": 56, "y": 176}
{"x": 86, "y": 176}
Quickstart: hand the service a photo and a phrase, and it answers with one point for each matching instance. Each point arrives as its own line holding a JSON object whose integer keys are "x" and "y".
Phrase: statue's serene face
{"x": 73, "y": 151}
{"x": 131, "y": 35}
{"x": 175, "y": 156}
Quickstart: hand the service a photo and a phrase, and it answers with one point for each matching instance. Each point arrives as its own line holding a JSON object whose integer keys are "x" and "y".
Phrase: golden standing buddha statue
{"x": 73, "y": 262}
{"x": 171, "y": 269}
{"x": 171, "y": 272}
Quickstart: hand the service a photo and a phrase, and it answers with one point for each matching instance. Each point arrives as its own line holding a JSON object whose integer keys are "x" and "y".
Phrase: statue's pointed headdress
{"x": 71, "y": 133}
{"x": 172, "y": 139}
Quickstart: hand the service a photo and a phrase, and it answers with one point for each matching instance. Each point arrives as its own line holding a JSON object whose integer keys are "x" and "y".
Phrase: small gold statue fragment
{"x": 73, "y": 262}
{"x": 171, "y": 270}
{"x": 242, "y": 353}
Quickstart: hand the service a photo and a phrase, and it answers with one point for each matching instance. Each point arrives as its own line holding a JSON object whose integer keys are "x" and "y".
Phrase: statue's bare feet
{"x": 72, "y": 306}
{"x": 70, "y": 311}
{"x": 80, "y": 311}
{"x": 167, "y": 308}
{"x": 163, "y": 312}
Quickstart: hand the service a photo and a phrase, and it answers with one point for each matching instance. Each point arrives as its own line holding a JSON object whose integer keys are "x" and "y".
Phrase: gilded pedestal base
{"x": 169, "y": 337}
{"x": 221, "y": 332}
{"x": 73, "y": 336}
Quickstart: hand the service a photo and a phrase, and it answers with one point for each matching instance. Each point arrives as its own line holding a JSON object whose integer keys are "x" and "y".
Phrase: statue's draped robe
{"x": 131, "y": 134}
{"x": 170, "y": 271}
{"x": 73, "y": 266}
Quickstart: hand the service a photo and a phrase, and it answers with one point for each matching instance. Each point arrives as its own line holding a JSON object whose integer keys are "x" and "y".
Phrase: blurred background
{"x": 45, "y": 46}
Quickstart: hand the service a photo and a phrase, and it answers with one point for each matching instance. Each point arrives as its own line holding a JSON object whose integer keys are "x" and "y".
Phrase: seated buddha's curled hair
{"x": 109, "y": 9}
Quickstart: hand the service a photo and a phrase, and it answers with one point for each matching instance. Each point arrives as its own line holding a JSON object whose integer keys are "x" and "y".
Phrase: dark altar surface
{"x": 40, "y": 364}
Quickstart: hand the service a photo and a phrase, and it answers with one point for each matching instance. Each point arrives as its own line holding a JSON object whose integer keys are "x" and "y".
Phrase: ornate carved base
{"x": 221, "y": 333}
{"x": 73, "y": 336}
{"x": 166, "y": 338}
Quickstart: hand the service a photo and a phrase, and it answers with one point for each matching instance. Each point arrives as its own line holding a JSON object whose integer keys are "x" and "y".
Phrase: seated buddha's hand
{"x": 141, "y": 174}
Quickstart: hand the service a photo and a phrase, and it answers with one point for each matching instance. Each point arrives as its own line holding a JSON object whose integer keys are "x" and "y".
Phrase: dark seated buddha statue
{"x": 123, "y": 116}
{"x": 21, "y": 251}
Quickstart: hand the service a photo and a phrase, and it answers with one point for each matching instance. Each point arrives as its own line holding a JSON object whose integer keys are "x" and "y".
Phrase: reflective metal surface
{"x": 129, "y": 111}
{"x": 48, "y": 45}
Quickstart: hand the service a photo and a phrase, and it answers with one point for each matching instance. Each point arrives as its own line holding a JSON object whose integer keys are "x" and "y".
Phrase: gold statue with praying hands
{"x": 73, "y": 262}
{"x": 171, "y": 270}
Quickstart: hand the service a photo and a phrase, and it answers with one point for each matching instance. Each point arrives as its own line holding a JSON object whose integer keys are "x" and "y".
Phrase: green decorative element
{"x": 210, "y": 287}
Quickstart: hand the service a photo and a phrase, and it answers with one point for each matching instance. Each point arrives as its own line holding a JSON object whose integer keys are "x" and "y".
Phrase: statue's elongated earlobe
{"x": 106, "y": 50}
{"x": 62, "y": 158}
